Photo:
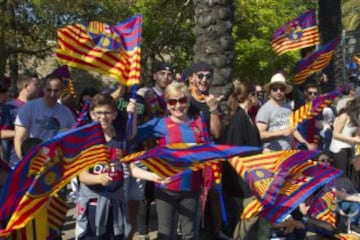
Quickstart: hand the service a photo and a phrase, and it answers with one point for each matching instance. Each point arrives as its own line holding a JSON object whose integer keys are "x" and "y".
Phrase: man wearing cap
{"x": 201, "y": 99}
{"x": 200, "y": 76}
{"x": 273, "y": 118}
{"x": 163, "y": 75}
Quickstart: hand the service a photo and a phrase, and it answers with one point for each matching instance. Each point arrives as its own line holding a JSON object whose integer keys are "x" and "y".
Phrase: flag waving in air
{"x": 109, "y": 50}
{"x": 311, "y": 109}
{"x": 281, "y": 180}
{"x": 173, "y": 159}
{"x": 46, "y": 170}
{"x": 315, "y": 62}
{"x": 298, "y": 33}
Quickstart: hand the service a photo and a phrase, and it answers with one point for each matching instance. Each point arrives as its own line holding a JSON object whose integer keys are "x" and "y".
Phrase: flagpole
{"x": 131, "y": 115}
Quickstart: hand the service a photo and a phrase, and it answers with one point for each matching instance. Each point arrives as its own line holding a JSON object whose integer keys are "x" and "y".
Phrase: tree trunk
{"x": 330, "y": 28}
{"x": 214, "y": 44}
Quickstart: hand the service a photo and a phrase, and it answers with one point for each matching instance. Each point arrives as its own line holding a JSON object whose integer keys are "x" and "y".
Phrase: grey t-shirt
{"x": 277, "y": 118}
{"x": 42, "y": 121}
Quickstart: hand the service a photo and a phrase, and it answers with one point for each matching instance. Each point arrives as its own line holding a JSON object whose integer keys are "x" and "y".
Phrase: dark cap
{"x": 202, "y": 66}
{"x": 163, "y": 66}
{"x": 187, "y": 72}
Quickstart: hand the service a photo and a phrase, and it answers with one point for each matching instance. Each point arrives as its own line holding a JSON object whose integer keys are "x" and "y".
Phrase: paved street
{"x": 69, "y": 227}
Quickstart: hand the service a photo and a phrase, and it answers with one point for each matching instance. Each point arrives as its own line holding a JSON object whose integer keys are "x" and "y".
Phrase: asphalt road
{"x": 69, "y": 227}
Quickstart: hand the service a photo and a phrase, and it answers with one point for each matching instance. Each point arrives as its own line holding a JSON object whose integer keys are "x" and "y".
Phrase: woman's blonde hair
{"x": 176, "y": 88}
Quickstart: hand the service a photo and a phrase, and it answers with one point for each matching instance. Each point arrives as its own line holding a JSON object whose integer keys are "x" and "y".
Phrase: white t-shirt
{"x": 42, "y": 121}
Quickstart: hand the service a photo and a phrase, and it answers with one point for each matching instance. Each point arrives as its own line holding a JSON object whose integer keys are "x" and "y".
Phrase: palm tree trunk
{"x": 214, "y": 44}
{"x": 330, "y": 27}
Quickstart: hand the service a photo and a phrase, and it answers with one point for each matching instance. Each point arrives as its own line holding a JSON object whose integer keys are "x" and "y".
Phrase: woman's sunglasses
{"x": 172, "y": 101}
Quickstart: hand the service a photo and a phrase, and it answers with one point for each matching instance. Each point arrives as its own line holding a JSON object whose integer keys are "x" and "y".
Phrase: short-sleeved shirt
{"x": 42, "y": 121}
{"x": 9, "y": 112}
{"x": 277, "y": 118}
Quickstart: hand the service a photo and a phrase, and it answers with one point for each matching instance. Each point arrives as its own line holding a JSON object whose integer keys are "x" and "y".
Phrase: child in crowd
{"x": 102, "y": 205}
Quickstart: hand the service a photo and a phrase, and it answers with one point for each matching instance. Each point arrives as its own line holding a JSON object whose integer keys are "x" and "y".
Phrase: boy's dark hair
{"x": 102, "y": 99}
{"x": 29, "y": 144}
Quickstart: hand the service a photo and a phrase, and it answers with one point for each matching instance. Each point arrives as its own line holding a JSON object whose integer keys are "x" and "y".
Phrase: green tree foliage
{"x": 255, "y": 22}
{"x": 167, "y": 25}
{"x": 167, "y": 29}
{"x": 351, "y": 14}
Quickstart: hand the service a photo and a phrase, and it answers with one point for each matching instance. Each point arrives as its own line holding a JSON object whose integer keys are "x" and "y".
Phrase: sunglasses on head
{"x": 173, "y": 101}
{"x": 312, "y": 93}
{"x": 201, "y": 76}
{"x": 275, "y": 89}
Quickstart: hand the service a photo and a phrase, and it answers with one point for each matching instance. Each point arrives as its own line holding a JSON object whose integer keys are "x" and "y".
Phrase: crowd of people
{"x": 181, "y": 111}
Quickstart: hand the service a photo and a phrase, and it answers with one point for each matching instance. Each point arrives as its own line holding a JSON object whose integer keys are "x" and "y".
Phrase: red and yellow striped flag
{"x": 298, "y": 33}
{"x": 109, "y": 50}
{"x": 57, "y": 161}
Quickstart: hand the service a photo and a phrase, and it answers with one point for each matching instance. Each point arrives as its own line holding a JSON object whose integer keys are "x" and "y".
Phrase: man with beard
{"x": 273, "y": 118}
{"x": 273, "y": 122}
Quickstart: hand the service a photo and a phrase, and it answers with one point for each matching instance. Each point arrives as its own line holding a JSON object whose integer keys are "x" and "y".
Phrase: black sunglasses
{"x": 312, "y": 93}
{"x": 323, "y": 160}
{"x": 201, "y": 76}
{"x": 275, "y": 89}
{"x": 172, "y": 101}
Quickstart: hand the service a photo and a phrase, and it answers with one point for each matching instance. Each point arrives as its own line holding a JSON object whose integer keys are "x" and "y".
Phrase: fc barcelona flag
{"x": 46, "y": 170}
{"x": 298, "y": 33}
{"x": 173, "y": 159}
{"x": 99, "y": 47}
{"x": 315, "y": 62}
{"x": 282, "y": 180}
{"x": 323, "y": 205}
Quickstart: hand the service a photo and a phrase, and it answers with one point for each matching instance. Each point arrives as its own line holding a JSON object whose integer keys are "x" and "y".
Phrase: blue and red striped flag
{"x": 282, "y": 180}
{"x": 312, "y": 109}
{"x": 315, "y": 62}
{"x": 46, "y": 170}
{"x": 323, "y": 205}
{"x": 298, "y": 33}
{"x": 110, "y": 50}
{"x": 173, "y": 159}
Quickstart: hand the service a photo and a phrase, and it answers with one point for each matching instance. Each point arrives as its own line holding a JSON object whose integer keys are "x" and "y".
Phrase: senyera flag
{"x": 312, "y": 109}
{"x": 315, "y": 62}
{"x": 281, "y": 181}
{"x": 44, "y": 171}
{"x": 298, "y": 33}
{"x": 110, "y": 50}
